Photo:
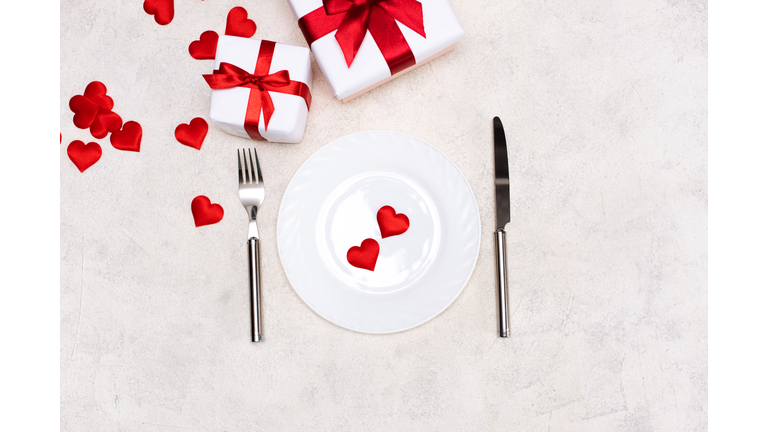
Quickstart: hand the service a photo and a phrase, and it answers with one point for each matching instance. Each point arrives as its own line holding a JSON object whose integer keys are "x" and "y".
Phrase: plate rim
{"x": 464, "y": 283}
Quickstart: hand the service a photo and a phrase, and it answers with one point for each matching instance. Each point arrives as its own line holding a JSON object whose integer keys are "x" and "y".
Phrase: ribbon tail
{"x": 352, "y": 31}
{"x": 252, "y": 114}
{"x": 267, "y": 107}
{"x": 390, "y": 41}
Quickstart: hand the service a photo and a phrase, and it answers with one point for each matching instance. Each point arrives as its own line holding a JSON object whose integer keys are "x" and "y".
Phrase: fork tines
{"x": 246, "y": 166}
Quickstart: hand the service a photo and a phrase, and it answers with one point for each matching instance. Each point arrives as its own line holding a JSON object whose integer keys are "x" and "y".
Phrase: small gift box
{"x": 360, "y": 45}
{"x": 260, "y": 89}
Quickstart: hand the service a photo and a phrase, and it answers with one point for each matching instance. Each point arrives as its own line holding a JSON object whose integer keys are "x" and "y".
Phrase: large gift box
{"x": 260, "y": 89}
{"x": 361, "y": 44}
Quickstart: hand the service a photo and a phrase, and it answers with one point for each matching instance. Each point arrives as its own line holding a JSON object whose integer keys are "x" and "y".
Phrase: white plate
{"x": 330, "y": 205}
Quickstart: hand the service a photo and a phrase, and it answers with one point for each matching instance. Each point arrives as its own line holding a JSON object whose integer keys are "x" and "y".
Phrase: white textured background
{"x": 605, "y": 108}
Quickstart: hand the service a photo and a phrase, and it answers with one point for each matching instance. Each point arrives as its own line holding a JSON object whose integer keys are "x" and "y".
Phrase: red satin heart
{"x": 192, "y": 134}
{"x": 161, "y": 9}
{"x": 391, "y": 223}
{"x": 97, "y": 93}
{"x": 365, "y": 255}
{"x": 85, "y": 111}
{"x": 83, "y": 155}
{"x": 205, "y": 48}
{"x": 128, "y": 138}
{"x": 204, "y": 212}
{"x": 105, "y": 122}
{"x": 238, "y": 23}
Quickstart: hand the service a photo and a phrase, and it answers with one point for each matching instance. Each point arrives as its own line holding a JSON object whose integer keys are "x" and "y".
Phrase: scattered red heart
{"x": 391, "y": 223}
{"x": 83, "y": 155}
{"x": 96, "y": 91}
{"x": 204, "y": 212}
{"x": 238, "y": 23}
{"x": 205, "y": 48}
{"x": 161, "y": 9}
{"x": 105, "y": 122}
{"x": 93, "y": 110}
{"x": 192, "y": 134}
{"x": 128, "y": 138}
{"x": 365, "y": 255}
{"x": 85, "y": 111}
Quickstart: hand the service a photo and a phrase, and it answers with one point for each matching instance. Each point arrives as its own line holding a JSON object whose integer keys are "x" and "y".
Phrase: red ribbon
{"x": 261, "y": 83}
{"x": 353, "y": 18}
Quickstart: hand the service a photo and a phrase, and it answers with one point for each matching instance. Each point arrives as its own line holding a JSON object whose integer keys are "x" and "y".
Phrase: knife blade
{"x": 501, "y": 173}
{"x": 501, "y": 180}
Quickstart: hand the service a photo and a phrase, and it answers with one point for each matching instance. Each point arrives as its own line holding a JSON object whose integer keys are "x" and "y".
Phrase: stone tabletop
{"x": 605, "y": 109}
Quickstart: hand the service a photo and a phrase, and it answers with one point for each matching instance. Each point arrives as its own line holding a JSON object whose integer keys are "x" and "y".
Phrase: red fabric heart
{"x": 238, "y": 23}
{"x": 365, "y": 255}
{"x": 205, "y": 48}
{"x": 128, "y": 138}
{"x": 83, "y": 155}
{"x": 161, "y": 9}
{"x": 97, "y": 93}
{"x": 105, "y": 122}
{"x": 204, "y": 212}
{"x": 391, "y": 223}
{"x": 192, "y": 134}
{"x": 85, "y": 111}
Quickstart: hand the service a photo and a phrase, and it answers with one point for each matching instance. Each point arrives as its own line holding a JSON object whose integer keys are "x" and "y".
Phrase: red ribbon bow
{"x": 230, "y": 76}
{"x": 353, "y": 18}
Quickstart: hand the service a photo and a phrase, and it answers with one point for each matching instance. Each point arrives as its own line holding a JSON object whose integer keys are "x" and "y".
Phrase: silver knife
{"x": 501, "y": 176}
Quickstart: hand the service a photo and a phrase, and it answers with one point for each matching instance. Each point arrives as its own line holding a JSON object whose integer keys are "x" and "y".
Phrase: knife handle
{"x": 254, "y": 277}
{"x": 501, "y": 282}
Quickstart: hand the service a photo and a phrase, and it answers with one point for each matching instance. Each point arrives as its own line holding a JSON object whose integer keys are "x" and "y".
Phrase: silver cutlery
{"x": 502, "y": 218}
{"x": 252, "y": 196}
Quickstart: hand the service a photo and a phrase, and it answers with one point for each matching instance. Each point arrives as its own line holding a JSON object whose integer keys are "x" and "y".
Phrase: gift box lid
{"x": 369, "y": 67}
{"x": 229, "y": 106}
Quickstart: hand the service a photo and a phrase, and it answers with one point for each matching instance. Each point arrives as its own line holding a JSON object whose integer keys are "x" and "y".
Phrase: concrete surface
{"x": 605, "y": 108}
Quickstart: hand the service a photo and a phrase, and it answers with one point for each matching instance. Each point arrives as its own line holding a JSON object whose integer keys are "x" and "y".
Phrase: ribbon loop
{"x": 229, "y": 76}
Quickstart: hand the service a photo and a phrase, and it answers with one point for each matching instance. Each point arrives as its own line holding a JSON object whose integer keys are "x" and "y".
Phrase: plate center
{"x": 348, "y": 217}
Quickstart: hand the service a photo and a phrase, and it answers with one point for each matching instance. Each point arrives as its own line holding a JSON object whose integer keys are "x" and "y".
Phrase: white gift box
{"x": 369, "y": 68}
{"x": 229, "y": 106}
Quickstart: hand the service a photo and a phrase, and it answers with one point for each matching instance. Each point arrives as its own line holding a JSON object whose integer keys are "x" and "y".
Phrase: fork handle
{"x": 254, "y": 270}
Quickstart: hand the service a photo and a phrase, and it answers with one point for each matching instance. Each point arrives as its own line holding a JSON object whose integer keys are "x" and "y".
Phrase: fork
{"x": 252, "y": 196}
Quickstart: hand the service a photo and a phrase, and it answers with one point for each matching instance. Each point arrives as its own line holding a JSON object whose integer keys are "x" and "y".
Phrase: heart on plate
{"x": 128, "y": 138}
{"x": 365, "y": 255}
{"x": 105, "y": 122}
{"x": 85, "y": 111}
{"x": 192, "y": 134}
{"x": 83, "y": 155}
{"x": 205, "y": 47}
{"x": 204, "y": 212}
{"x": 161, "y": 9}
{"x": 238, "y": 23}
{"x": 96, "y": 91}
{"x": 391, "y": 223}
